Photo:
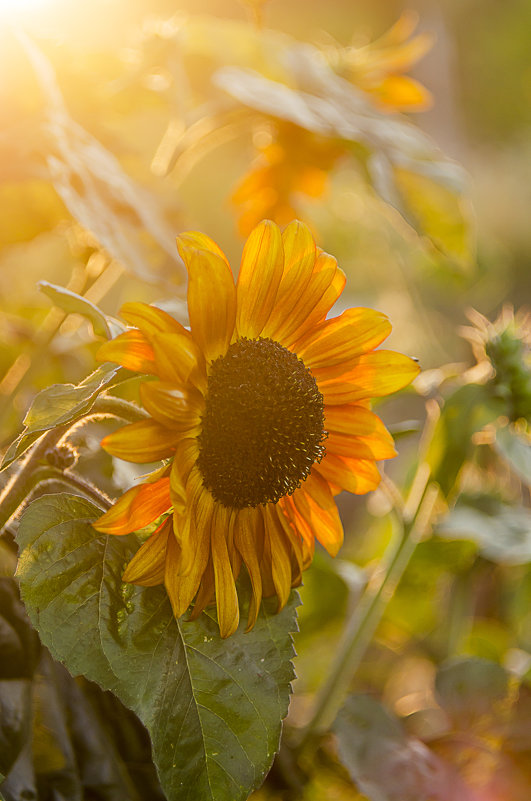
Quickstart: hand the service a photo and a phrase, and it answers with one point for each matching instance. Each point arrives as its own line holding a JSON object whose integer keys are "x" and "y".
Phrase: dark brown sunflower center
{"x": 263, "y": 425}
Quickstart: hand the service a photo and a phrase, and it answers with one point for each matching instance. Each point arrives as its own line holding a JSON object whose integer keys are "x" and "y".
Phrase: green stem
{"x": 87, "y": 488}
{"x": 33, "y": 471}
{"x": 109, "y": 406}
{"x": 363, "y": 623}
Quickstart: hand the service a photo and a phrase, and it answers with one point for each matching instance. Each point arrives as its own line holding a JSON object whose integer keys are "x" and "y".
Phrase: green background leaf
{"x": 385, "y": 763}
{"x": 502, "y": 532}
{"x": 73, "y": 303}
{"x": 213, "y": 707}
{"x": 60, "y": 404}
{"x": 515, "y": 447}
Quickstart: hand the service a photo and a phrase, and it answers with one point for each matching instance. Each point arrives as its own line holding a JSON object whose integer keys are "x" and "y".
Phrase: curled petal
{"x": 178, "y": 359}
{"x": 182, "y": 464}
{"x": 226, "y": 596}
{"x": 137, "y": 508}
{"x": 130, "y": 349}
{"x": 195, "y": 240}
{"x": 151, "y": 320}
{"x": 207, "y": 591}
{"x": 259, "y": 278}
{"x": 280, "y": 558}
{"x": 183, "y": 586}
{"x": 287, "y": 507}
{"x": 148, "y": 564}
{"x": 245, "y": 541}
{"x": 173, "y": 407}
{"x": 357, "y": 432}
{"x": 354, "y": 475}
{"x": 145, "y": 441}
{"x": 315, "y": 503}
{"x": 296, "y": 545}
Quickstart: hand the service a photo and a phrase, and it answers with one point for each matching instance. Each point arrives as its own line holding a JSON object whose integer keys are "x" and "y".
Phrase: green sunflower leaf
{"x": 72, "y": 303}
{"x": 466, "y": 411}
{"x": 514, "y": 446}
{"x": 471, "y": 690}
{"x": 60, "y": 404}
{"x": 213, "y": 707}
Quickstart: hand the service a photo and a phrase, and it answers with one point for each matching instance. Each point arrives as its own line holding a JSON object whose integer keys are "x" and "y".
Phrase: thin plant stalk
{"x": 363, "y": 623}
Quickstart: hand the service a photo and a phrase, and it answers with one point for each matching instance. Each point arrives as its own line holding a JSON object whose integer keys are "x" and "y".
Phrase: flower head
{"x": 262, "y": 409}
{"x": 378, "y": 67}
{"x": 291, "y": 163}
{"x": 503, "y": 349}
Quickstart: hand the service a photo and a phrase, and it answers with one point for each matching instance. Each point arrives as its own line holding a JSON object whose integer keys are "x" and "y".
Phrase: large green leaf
{"x": 62, "y": 738}
{"x": 60, "y": 404}
{"x": 502, "y": 532}
{"x": 465, "y": 412}
{"x": 213, "y": 707}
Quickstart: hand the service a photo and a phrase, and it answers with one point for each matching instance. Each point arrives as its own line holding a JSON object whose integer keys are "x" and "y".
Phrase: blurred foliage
{"x": 124, "y": 123}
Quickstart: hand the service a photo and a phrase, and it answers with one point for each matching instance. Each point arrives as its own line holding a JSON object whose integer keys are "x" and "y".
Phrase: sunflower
{"x": 262, "y": 410}
{"x": 291, "y": 164}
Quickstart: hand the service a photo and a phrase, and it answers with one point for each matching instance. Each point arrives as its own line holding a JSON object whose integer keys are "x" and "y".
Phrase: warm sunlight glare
{"x": 22, "y": 7}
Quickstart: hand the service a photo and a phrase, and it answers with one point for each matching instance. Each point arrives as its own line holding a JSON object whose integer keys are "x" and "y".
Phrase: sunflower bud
{"x": 506, "y": 345}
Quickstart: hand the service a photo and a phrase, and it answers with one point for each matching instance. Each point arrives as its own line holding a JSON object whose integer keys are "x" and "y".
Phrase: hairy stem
{"x": 37, "y": 468}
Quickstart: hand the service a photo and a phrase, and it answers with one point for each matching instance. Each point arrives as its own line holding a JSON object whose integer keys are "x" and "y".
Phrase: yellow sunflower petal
{"x": 375, "y": 374}
{"x": 323, "y": 289}
{"x": 344, "y": 338}
{"x": 354, "y": 475}
{"x": 189, "y": 527}
{"x": 173, "y": 407}
{"x": 245, "y": 542}
{"x": 130, "y": 349}
{"x": 137, "y": 508}
{"x": 150, "y": 320}
{"x": 259, "y": 278}
{"x": 178, "y": 359}
{"x": 206, "y": 593}
{"x": 195, "y": 240}
{"x": 296, "y": 544}
{"x": 299, "y": 259}
{"x": 145, "y": 441}
{"x": 211, "y": 300}
{"x": 116, "y": 519}
{"x": 358, "y": 432}
{"x": 185, "y": 458}
{"x": 148, "y": 564}
{"x": 403, "y": 93}
{"x": 226, "y": 596}
{"x": 287, "y": 507}
{"x": 182, "y": 589}
{"x": 280, "y": 558}
{"x": 315, "y": 502}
